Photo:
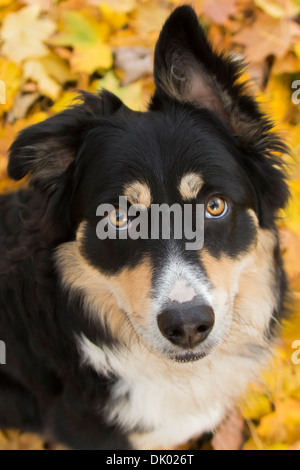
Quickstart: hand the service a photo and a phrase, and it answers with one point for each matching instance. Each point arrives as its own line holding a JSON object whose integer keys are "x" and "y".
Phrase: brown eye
{"x": 216, "y": 208}
{"x": 118, "y": 219}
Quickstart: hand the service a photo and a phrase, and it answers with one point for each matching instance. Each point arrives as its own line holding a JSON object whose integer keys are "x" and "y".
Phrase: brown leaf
{"x": 229, "y": 436}
{"x": 219, "y": 10}
{"x": 267, "y": 37}
{"x": 135, "y": 62}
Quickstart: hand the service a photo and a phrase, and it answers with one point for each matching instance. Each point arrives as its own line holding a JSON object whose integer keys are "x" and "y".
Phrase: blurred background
{"x": 51, "y": 48}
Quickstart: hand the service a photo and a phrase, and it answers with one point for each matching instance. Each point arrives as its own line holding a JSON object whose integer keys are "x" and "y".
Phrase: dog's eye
{"x": 119, "y": 219}
{"x": 216, "y": 208}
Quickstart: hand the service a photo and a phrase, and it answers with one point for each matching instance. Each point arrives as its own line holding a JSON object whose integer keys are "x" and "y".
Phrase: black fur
{"x": 83, "y": 157}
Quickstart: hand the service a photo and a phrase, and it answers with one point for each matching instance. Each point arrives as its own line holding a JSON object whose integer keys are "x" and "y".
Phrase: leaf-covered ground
{"x": 51, "y": 48}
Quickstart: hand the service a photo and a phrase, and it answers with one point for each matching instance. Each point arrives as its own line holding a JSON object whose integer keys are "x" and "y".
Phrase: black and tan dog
{"x": 120, "y": 344}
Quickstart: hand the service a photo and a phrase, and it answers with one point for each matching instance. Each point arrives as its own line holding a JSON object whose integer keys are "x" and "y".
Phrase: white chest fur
{"x": 170, "y": 402}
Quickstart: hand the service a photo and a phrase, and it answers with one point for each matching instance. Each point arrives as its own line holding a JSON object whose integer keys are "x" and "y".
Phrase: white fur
{"x": 182, "y": 292}
{"x": 174, "y": 402}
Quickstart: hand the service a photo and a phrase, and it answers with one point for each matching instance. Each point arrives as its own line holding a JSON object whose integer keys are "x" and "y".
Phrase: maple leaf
{"x": 34, "y": 70}
{"x": 268, "y": 37}
{"x": 87, "y": 37}
{"x": 24, "y": 33}
{"x": 219, "y": 10}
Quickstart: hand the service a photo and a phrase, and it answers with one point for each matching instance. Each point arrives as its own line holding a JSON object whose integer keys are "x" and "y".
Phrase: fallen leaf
{"x": 289, "y": 64}
{"x": 44, "y": 5}
{"x": 135, "y": 62}
{"x": 283, "y": 425}
{"x": 267, "y": 37}
{"x": 123, "y": 6}
{"x": 293, "y": 211}
{"x": 58, "y": 69}
{"x": 290, "y": 243}
{"x": 278, "y": 8}
{"x": 5, "y": 3}
{"x": 87, "y": 37}
{"x": 10, "y": 75}
{"x": 278, "y": 447}
{"x": 115, "y": 19}
{"x": 24, "y": 34}
{"x": 131, "y": 94}
{"x": 35, "y": 70}
{"x": 23, "y": 102}
{"x": 256, "y": 406}
{"x": 64, "y": 102}
{"x": 229, "y": 436}
{"x": 150, "y": 17}
{"x": 219, "y": 10}
{"x": 88, "y": 60}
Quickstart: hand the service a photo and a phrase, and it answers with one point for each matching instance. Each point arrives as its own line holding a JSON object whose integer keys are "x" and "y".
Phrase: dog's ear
{"x": 45, "y": 151}
{"x": 187, "y": 69}
{"x": 47, "y": 154}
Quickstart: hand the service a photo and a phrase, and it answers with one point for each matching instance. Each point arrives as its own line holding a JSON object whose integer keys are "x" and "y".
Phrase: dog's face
{"x": 172, "y": 296}
{"x": 203, "y": 141}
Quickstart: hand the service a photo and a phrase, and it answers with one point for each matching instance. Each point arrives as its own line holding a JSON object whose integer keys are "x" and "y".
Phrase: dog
{"x": 134, "y": 343}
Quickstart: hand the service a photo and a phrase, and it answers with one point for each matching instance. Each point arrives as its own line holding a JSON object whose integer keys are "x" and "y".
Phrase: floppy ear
{"x": 188, "y": 70}
{"x": 47, "y": 152}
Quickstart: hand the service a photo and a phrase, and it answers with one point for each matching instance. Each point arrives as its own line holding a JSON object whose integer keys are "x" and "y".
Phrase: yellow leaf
{"x": 256, "y": 406}
{"x": 87, "y": 37}
{"x": 10, "y": 74}
{"x": 123, "y": 6}
{"x": 278, "y": 447}
{"x": 131, "y": 94}
{"x": 283, "y": 425}
{"x": 251, "y": 445}
{"x": 23, "y": 34}
{"x": 44, "y": 5}
{"x": 293, "y": 211}
{"x": 278, "y": 94}
{"x": 297, "y": 49}
{"x": 81, "y": 30}
{"x": 87, "y": 60}
{"x": 150, "y": 17}
{"x": 58, "y": 69}
{"x": 277, "y": 8}
{"x": 114, "y": 19}
{"x": 64, "y": 102}
{"x": 34, "y": 70}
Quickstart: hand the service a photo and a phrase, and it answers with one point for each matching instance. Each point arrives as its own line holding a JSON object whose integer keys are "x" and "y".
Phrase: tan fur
{"x": 257, "y": 284}
{"x": 190, "y": 186}
{"x": 249, "y": 284}
{"x": 132, "y": 289}
{"x": 138, "y": 194}
{"x": 106, "y": 297}
{"x": 99, "y": 301}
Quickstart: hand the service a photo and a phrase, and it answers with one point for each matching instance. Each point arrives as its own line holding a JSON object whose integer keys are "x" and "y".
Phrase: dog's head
{"x": 202, "y": 141}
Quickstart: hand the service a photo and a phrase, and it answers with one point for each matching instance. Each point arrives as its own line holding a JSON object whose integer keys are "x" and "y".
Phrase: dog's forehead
{"x": 158, "y": 156}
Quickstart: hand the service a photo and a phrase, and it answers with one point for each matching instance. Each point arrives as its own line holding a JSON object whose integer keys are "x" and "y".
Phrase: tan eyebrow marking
{"x": 138, "y": 194}
{"x": 190, "y": 186}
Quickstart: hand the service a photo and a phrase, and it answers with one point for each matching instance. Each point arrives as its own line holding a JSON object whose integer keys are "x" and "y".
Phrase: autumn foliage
{"x": 51, "y": 48}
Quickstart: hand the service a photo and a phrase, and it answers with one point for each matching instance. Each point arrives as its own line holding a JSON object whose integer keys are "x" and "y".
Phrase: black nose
{"x": 186, "y": 325}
